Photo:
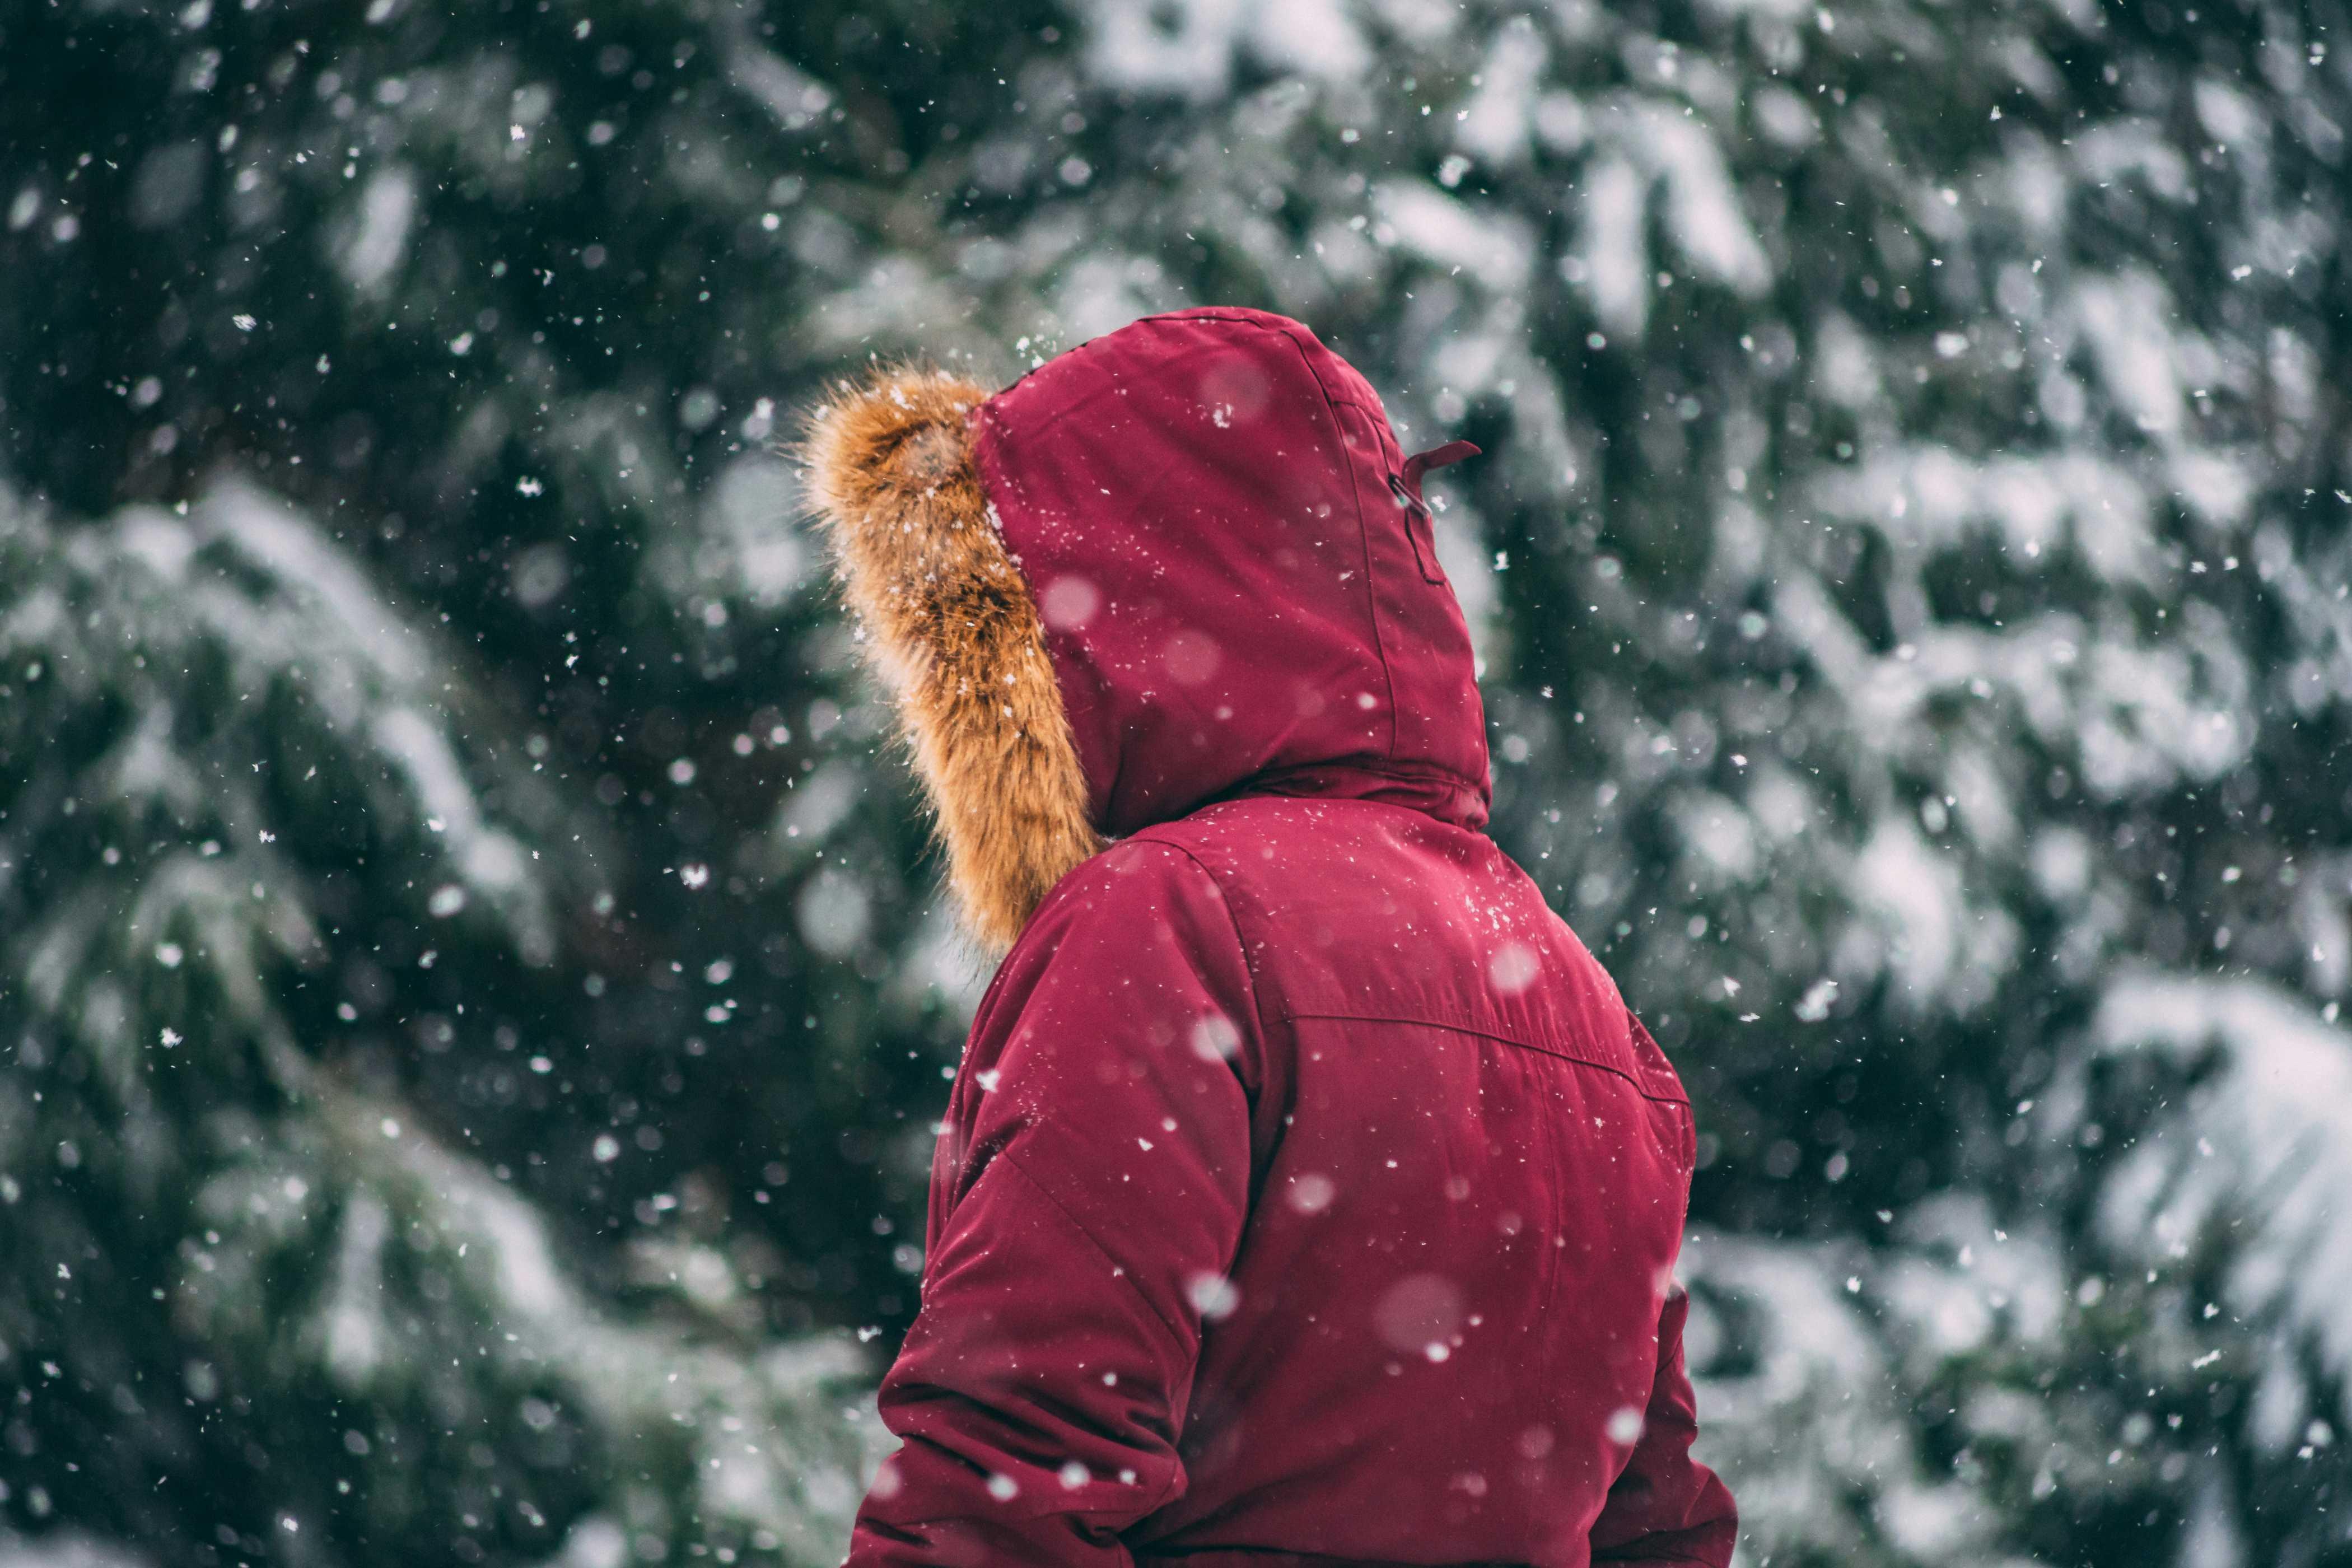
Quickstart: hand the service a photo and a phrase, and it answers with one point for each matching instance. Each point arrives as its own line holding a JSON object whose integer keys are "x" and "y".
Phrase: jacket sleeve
{"x": 1087, "y": 1205}
{"x": 1667, "y": 1509}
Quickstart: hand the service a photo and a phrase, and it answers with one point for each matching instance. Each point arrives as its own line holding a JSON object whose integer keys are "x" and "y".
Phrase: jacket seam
{"x": 1176, "y": 1469}
{"x": 1118, "y": 1269}
{"x": 1175, "y": 1335}
{"x": 1241, "y": 944}
{"x": 1331, "y": 407}
{"x": 1557, "y": 1159}
{"x": 1644, "y": 1089}
{"x": 1372, "y": 573}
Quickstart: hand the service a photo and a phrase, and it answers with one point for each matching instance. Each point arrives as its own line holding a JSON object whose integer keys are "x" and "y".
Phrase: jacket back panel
{"x": 1469, "y": 1170}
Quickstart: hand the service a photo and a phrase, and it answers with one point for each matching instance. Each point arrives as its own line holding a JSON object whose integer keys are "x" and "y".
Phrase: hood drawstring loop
{"x": 1406, "y": 489}
{"x": 1444, "y": 456}
{"x": 1407, "y": 486}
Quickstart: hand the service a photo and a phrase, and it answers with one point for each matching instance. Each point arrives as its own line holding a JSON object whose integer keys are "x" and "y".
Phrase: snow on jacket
{"x": 1307, "y": 1194}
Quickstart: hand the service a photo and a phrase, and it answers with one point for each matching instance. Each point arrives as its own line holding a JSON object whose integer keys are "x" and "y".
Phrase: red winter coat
{"x": 1308, "y": 1194}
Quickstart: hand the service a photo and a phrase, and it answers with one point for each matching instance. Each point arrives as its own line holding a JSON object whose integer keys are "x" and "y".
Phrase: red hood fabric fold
{"x": 1208, "y": 510}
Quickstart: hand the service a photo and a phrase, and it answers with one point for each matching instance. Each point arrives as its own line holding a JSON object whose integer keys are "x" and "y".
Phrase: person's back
{"x": 1306, "y": 1193}
{"x": 1467, "y": 1194}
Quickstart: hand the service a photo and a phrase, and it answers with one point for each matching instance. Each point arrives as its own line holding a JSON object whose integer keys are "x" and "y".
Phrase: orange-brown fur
{"x": 951, "y": 625}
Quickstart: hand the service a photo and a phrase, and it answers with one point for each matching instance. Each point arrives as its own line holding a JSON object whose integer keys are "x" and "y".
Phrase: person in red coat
{"x": 1308, "y": 1194}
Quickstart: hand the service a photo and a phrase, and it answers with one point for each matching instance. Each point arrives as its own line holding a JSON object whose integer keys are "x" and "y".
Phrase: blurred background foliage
{"x": 472, "y": 994}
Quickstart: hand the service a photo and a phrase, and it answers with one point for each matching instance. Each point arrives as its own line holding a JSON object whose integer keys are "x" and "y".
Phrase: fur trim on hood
{"x": 952, "y": 627}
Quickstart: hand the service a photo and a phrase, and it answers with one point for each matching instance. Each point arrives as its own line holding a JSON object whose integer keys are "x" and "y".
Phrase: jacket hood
{"x": 1184, "y": 561}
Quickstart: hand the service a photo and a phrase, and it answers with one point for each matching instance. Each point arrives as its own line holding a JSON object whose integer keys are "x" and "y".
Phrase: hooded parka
{"x": 1308, "y": 1194}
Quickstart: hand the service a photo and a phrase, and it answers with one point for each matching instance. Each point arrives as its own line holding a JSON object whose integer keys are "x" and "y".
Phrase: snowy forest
{"x": 475, "y": 996}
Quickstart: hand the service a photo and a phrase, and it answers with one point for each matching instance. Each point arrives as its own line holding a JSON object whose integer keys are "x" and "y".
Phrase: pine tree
{"x": 249, "y": 1280}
